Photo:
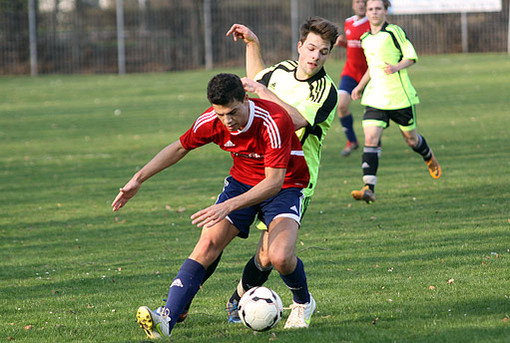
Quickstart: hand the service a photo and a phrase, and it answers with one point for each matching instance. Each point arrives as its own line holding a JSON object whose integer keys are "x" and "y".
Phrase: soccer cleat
{"x": 364, "y": 194}
{"x": 300, "y": 314}
{"x": 349, "y": 147}
{"x": 434, "y": 167}
{"x": 155, "y": 324}
{"x": 233, "y": 312}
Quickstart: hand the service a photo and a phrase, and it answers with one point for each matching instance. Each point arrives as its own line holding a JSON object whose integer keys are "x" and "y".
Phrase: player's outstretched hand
{"x": 211, "y": 215}
{"x": 126, "y": 193}
{"x": 239, "y": 31}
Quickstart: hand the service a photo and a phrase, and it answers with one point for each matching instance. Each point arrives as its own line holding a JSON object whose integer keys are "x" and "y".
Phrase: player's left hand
{"x": 211, "y": 215}
{"x": 391, "y": 69}
{"x": 250, "y": 85}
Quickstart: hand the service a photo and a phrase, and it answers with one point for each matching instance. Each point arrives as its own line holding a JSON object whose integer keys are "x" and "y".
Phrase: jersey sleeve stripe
{"x": 272, "y": 128}
{"x": 204, "y": 118}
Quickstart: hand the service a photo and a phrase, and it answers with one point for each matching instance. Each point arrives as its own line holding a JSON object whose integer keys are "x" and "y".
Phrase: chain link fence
{"x": 81, "y": 36}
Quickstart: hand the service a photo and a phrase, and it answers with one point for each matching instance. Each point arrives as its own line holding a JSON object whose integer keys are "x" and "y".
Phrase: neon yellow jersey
{"x": 394, "y": 91}
{"x": 316, "y": 100}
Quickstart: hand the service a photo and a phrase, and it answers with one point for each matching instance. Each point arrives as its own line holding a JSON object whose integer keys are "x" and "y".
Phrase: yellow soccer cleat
{"x": 364, "y": 194}
{"x": 434, "y": 167}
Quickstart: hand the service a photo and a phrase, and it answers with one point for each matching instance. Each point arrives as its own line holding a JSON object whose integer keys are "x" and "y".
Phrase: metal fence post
{"x": 32, "y": 28}
{"x": 464, "y": 30}
{"x": 294, "y": 24}
{"x": 208, "y": 35}
{"x": 121, "y": 49}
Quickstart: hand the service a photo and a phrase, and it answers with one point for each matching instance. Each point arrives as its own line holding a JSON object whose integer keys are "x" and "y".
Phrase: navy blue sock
{"x": 296, "y": 281}
{"x": 347, "y": 122}
{"x": 184, "y": 287}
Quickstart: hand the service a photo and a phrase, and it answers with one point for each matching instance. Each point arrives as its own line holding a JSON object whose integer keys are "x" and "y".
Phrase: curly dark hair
{"x": 224, "y": 88}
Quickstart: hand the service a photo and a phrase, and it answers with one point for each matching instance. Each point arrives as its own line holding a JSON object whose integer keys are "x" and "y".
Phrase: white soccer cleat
{"x": 155, "y": 324}
{"x": 300, "y": 315}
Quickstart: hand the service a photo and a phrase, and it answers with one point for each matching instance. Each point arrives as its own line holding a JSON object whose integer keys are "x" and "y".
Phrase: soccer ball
{"x": 260, "y": 308}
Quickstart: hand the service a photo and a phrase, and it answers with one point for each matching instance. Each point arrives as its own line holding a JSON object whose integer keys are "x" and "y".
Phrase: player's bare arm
{"x": 164, "y": 159}
{"x": 393, "y": 68}
{"x": 254, "y": 61}
{"x": 265, "y": 189}
{"x": 264, "y": 93}
{"x": 358, "y": 90}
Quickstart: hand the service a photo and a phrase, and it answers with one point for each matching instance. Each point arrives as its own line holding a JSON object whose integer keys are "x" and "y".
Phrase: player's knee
{"x": 343, "y": 109}
{"x": 282, "y": 261}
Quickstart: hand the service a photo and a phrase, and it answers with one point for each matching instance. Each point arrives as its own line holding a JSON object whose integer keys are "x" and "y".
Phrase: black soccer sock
{"x": 253, "y": 275}
{"x": 370, "y": 163}
{"x": 422, "y": 148}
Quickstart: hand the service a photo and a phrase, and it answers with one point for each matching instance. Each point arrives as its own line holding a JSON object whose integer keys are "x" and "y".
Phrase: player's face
{"x": 376, "y": 12}
{"x": 358, "y": 7}
{"x": 234, "y": 115}
{"x": 313, "y": 53}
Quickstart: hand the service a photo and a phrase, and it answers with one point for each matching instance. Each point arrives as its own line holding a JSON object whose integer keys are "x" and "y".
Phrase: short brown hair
{"x": 324, "y": 28}
{"x": 386, "y": 3}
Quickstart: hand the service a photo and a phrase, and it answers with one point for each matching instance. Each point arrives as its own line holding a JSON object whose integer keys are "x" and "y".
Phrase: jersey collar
{"x": 320, "y": 74}
{"x": 250, "y": 119}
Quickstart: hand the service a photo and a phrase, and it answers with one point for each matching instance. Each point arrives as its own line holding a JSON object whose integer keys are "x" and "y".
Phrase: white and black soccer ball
{"x": 260, "y": 308}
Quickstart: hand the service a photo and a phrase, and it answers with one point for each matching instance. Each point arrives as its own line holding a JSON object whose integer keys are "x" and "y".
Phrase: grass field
{"x": 428, "y": 262}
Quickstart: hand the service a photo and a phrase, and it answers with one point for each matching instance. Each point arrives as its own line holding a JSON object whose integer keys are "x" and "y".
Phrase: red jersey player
{"x": 266, "y": 181}
{"x": 354, "y": 69}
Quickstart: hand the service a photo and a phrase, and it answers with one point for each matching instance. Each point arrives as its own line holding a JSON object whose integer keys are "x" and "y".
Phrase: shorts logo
{"x": 365, "y": 165}
{"x": 294, "y": 208}
{"x": 410, "y": 121}
{"x": 177, "y": 283}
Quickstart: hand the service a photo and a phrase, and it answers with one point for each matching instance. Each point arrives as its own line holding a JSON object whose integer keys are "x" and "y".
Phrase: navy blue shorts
{"x": 287, "y": 203}
{"x": 347, "y": 84}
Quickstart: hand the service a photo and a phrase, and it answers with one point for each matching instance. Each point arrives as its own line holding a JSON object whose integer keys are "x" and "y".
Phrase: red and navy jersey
{"x": 355, "y": 64}
{"x": 267, "y": 140}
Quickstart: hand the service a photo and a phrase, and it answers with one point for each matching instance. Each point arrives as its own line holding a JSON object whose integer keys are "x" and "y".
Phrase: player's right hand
{"x": 239, "y": 31}
{"x": 125, "y": 193}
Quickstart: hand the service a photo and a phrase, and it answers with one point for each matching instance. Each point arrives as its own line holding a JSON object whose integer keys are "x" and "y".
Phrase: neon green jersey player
{"x": 309, "y": 95}
{"x": 315, "y": 98}
{"x": 387, "y": 93}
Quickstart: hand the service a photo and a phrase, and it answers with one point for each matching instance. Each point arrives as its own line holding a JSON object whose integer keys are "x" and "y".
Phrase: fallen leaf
{"x": 181, "y": 209}
{"x": 119, "y": 269}
{"x": 156, "y": 272}
{"x": 449, "y": 282}
{"x": 432, "y": 288}
{"x": 28, "y": 327}
{"x": 505, "y": 320}
{"x": 9, "y": 338}
{"x": 90, "y": 306}
{"x": 376, "y": 319}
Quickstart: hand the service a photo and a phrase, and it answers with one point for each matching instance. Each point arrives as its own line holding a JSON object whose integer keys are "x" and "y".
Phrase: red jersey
{"x": 355, "y": 64}
{"x": 267, "y": 140}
